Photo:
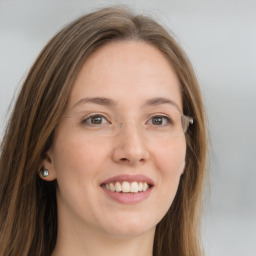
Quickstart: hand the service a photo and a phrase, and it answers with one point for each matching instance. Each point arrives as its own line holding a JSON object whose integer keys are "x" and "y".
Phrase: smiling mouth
{"x": 126, "y": 187}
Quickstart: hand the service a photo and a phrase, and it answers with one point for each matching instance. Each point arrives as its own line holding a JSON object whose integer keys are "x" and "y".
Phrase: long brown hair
{"x": 28, "y": 213}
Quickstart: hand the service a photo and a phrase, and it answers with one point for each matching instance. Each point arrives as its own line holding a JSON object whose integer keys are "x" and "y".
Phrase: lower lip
{"x": 128, "y": 198}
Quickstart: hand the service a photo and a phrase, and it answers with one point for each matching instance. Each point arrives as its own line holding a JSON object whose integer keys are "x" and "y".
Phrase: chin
{"x": 131, "y": 232}
{"x": 131, "y": 226}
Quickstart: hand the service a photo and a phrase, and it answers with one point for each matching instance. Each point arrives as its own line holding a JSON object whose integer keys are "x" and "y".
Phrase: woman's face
{"x": 116, "y": 155}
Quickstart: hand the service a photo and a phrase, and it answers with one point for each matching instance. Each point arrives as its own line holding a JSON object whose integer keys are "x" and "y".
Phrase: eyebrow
{"x": 160, "y": 101}
{"x": 109, "y": 102}
{"x": 96, "y": 100}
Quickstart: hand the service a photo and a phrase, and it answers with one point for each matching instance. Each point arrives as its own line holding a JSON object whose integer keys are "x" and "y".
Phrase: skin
{"x": 81, "y": 158}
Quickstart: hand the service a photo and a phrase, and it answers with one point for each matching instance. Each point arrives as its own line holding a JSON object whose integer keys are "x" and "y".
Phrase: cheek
{"x": 77, "y": 164}
{"x": 75, "y": 158}
{"x": 170, "y": 157}
{"x": 170, "y": 161}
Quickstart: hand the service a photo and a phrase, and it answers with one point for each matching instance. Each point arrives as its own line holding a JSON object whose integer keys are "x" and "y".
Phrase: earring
{"x": 44, "y": 172}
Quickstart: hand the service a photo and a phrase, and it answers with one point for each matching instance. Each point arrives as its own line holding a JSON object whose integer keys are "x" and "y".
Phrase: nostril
{"x": 131, "y": 161}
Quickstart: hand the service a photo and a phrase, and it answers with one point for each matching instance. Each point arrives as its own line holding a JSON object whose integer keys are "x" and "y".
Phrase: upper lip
{"x": 129, "y": 178}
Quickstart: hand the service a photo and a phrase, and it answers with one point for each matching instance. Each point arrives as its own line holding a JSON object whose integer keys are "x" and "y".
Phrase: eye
{"x": 159, "y": 120}
{"x": 95, "y": 120}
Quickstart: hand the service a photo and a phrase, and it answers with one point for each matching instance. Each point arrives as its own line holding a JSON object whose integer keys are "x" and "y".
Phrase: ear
{"x": 47, "y": 164}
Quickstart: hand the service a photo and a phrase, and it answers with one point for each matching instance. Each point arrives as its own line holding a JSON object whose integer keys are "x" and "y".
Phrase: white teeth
{"x": 140, "y": 186}
{"x": 134, "y": 187}
{"x": 126, "y": 187}
{"x": 118, "y": 187}
{"x": 112, "y": 187}
{"x": 145, "y": 186}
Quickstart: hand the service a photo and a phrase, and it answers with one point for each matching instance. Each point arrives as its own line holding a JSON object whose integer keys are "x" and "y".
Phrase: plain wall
{"x": 220, "y": 39}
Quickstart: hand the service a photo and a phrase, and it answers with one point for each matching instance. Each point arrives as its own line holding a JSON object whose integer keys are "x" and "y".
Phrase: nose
{"x": 130, "y": 146}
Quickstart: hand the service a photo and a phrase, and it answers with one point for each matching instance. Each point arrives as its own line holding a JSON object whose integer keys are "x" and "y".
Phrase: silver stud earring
{"x": 44, "y": 172}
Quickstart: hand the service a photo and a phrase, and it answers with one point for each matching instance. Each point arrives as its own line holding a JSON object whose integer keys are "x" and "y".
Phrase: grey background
{"x": 220, "y": 39}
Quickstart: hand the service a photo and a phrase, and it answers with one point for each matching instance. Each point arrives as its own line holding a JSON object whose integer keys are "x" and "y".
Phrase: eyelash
{"x": 87, "y": 119}
{"x": 168, "y": 120}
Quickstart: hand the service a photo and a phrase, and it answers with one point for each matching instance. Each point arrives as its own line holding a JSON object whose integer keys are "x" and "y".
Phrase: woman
{"x": 105, "y": 151}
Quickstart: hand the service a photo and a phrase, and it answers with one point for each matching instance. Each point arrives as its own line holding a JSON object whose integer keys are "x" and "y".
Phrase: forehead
{"x": 127, "y": 71}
